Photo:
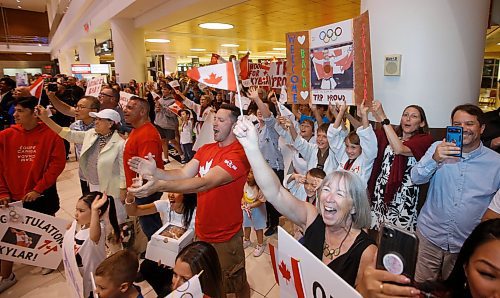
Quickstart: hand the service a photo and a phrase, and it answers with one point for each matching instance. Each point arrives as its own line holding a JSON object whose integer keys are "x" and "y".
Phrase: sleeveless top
{"x": 345, "y": 265}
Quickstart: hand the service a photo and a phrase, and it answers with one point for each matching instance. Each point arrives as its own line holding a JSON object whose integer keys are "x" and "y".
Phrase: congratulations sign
{"x": 30, "y": 237}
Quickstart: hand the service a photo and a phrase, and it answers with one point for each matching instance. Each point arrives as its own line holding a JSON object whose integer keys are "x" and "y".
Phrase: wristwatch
{"x": 385, "y": 122}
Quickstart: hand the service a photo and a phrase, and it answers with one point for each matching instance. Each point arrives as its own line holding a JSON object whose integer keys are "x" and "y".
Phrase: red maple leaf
{"x": 213, "y": 79}
{"x": 284, "y": 272}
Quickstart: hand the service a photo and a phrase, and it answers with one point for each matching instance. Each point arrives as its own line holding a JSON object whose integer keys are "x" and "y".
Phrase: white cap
{"x": 107, "y": 114}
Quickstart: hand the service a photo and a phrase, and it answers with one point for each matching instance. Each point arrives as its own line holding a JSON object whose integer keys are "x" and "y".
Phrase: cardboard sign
{"x": 94, "y": 86}
{"x": 298, "y": 69}
{"x": 174, "y": 84}
{"x": 267, "y": 75}
{"x": 363, "y": 79}
{"x": 124, "y": 98}
{"x": 317, "y": 279}
{"x": 73, "y": 276}
{"x": 31, "y": 237}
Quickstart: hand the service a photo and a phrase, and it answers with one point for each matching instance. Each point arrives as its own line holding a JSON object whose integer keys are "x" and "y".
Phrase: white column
{"x": 86, "y": 53}
{"x": 129, "y": 51}
{"x": 442, "y": 48}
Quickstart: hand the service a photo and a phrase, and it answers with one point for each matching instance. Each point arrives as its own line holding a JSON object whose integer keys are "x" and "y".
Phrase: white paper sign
{"x": 94, "y": 86}
{"x": 124, "y": 98}
{"x": 73, "y": 276}
{"x": 174, "y": 84}
{"x": 317, "y": 279}
{"x": 31, "y": 237}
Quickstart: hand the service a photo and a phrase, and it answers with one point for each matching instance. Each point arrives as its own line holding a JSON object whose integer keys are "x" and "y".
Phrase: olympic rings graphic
{"x": 330, "y": 34}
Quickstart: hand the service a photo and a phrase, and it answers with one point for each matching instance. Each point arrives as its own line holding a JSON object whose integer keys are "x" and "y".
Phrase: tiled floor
{"x": 31, "y": 284}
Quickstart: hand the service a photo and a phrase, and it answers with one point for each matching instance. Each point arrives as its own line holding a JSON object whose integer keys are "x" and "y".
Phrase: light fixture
{"x": 39, "y": 44}
{"x": 29, "y": 53}
{"x": 18, "y": 1}
{"x": 229, "y": 45}
{"x": 279, "y": 49}
{"x": 498, "y": 43}
{"x": 198, "y": 50}
{"x": 192, "y": 56}
{"x": 216, "y": 26}
{"x": 244, "y": 52}
{"x": 19, "y": 6}
{"x": 275, "y": 54}
{"x": 157, "y": 40}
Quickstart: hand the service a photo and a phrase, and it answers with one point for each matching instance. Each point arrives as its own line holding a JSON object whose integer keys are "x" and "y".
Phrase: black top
{"x": 347, "y": 264}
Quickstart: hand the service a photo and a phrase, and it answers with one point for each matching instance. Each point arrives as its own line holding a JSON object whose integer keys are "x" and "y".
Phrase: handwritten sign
{"x": 125, "y": 97}
{"x": 298, "y": 68}
{"x": 94, "y": 86}
{"x": 31, "y": 237}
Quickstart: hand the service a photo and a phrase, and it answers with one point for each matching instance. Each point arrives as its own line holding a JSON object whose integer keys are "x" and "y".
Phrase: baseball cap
{"x": 107, "y": 114}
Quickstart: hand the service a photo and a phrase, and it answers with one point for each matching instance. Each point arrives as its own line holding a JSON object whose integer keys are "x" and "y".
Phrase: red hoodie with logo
{"x": 29, "y": 160}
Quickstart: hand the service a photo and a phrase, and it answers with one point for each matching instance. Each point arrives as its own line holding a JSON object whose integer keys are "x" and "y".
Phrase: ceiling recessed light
{"x": 18, "y": 1}
{"x": 29, "y": 53}
{"x": 229, "y": 45}
{"x": 498, "y": 43}
{"x": 19, "y": 6}
{"x": 279, "y": 49}
{"x": 39, "y": 44}
{"x": 157, "y": 40}
{"x": 198, "y": 50}
{"x": 192, "y": 56}
{"x": 244, "y": 52}
{"x": 216, "y": 26}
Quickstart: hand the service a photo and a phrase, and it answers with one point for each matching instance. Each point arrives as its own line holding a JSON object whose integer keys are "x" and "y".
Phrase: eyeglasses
{"x": 78, "y": 107}
{"x": 104, "y": 94}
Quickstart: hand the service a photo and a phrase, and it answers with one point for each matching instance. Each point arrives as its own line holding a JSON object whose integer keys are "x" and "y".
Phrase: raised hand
{"x": 378, "y": 111}
{"x": 42, "y": 113}
{"x": 246, "y": 134}
{"x": 253, "y": 93}
{"x": 99, "y": 201}
{"x": 144, "y": 167}
{"x": 284, "y": 122}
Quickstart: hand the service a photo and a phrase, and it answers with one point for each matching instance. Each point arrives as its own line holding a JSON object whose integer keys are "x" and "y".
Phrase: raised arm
{"x": 396, "y": 144}
{"x": 301, "y": 213}
{"x": 60, "y": 105}
{"x": 253, "y": 94}
{"x": 43, "y": 115}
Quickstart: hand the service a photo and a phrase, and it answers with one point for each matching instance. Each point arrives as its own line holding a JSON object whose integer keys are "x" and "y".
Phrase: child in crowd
{"x": 313, "y": 180}
{"x": 179, "y": 209}
{"x": 114, "y": 277}
{"x": 358, "y": 150}
{"x": 254, "y": 214}
{"x": 186, "y": 135}
{"x": 90, "y": 239}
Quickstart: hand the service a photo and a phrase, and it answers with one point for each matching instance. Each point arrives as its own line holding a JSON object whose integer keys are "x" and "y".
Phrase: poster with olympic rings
{"x": 332, "y": 56}
{"x": 338, "y": 63}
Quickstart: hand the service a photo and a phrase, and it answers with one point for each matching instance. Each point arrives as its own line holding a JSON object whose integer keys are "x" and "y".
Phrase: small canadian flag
{"x": 36, "y": 88}
{"x": 220, "y": 76}
{"x": 287, "y": 274}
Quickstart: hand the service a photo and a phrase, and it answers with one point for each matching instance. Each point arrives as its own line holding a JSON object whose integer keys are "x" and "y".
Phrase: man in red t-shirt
{"x": 217, "y": 173}
{"x": 143, "y": 139}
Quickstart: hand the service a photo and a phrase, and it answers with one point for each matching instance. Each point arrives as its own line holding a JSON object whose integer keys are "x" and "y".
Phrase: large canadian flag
{"x": 287, "y": 274}
{"x": 36, "y": 88}
{"x": 220, "y": 76}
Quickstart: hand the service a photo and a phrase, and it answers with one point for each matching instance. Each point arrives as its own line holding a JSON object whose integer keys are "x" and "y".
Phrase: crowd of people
{"x": 337, "y": 177}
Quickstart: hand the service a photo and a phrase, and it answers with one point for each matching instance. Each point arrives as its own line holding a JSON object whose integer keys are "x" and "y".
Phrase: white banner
{"x": 124, "y": 98}
{"x": 73, "y": 276}
{"x": 317, "y": 279}
{"x": 31, "y": 237}
{"x": 94, "y": 86}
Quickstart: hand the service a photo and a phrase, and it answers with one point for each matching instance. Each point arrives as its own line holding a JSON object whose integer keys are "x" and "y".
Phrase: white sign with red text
{"x": 94, "y": 86}
{"x": 31, "y": 237}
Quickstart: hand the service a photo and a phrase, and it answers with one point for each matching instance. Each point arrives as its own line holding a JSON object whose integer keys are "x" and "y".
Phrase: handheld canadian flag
{"x": 220, "y": 76}
{"x": 36, "y": 88}
{"x": 176, "y": 107}
{"x": 287, "y": 274}
{"x": 191, "y": 288}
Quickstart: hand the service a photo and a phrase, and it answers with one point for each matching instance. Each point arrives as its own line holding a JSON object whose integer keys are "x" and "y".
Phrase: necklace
{"x": 330, "y": 253}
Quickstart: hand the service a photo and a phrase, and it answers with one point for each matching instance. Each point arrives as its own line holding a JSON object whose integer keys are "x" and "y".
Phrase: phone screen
{"x": 454, "y": 134}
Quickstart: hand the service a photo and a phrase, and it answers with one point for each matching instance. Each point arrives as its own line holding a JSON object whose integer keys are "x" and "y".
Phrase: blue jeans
{"x": 149, "y": 223}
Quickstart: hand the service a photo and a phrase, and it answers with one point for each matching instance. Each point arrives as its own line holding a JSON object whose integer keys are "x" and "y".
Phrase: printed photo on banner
{"x": 332, "y": 58}
{"x": 30, "y": 237}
